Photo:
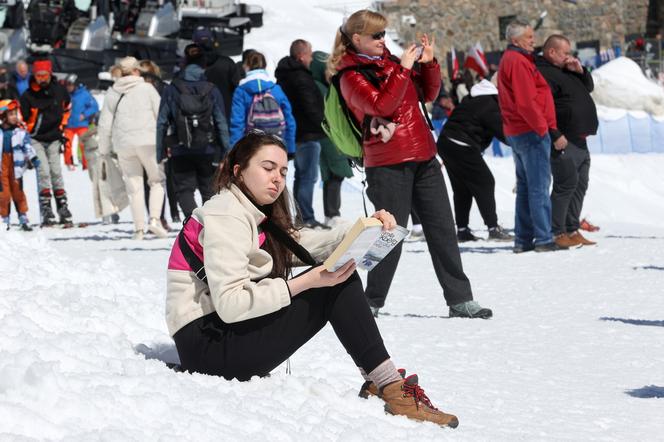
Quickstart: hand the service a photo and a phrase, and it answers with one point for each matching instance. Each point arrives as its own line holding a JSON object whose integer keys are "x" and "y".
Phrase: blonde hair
{"x": 149, "y": 67}
{"x": 363, "y": 22}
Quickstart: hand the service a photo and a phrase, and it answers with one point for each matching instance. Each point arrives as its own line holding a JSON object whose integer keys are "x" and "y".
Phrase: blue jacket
{"x": 22, "y": 84}
{"x": 194, "y": 75}
{"x": 258, "y": 81}
{"x": 82, "y": 103}
{"x": 22, "y": 150}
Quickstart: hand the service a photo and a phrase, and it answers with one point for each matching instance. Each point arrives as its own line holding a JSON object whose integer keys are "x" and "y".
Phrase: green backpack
{"x": 340, "y": 125}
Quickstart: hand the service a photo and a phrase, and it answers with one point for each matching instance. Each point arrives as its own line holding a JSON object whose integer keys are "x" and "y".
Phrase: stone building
{"x": 598, "y": 24}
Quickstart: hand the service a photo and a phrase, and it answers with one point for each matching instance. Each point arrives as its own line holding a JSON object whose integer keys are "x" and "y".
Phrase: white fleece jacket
{"x": 135, "y": 120}
{"x": 235, "y": 265}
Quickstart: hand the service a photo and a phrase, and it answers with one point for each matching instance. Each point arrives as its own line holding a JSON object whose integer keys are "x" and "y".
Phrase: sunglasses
{"x": 378, "y": 35}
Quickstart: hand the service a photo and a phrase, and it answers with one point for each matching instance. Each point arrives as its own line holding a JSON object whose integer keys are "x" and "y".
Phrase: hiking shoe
{"x": 370, "y": 389}
{"x": 138, "y": 235}
{"x": 520, "y": 248}
{"x": 550, "y": 247}
{"x": 464, "y": 234}
{"x": 156, "y": 228}
{"x": 470, "y": 309}
{"x": 564, "y": 241}
{"x": 315, "y": 225}
{"x": 499, "y": 234}
{"x": 407, "y": 398}
{"x": 580, "y": 239}
{"x": 588, "y": 226}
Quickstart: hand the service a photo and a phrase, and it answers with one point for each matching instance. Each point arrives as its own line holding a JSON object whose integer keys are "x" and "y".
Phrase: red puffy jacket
{"x": 526, "y": 103}
{"x": 396, "y": 100}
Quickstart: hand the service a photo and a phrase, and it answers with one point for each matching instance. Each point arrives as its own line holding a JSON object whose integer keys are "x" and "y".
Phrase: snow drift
{"x": 621, "y": 84}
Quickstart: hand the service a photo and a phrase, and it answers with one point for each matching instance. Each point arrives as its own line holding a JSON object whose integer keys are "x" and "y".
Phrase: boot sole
{"x": 453, "y": 423}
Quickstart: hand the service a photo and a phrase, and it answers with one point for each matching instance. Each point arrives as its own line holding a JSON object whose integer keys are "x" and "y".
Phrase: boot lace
{"x": 417, "y": 392}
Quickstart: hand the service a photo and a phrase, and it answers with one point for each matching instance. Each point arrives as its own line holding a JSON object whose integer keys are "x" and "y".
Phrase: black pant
{"x": 570, "y": 169}
{"x": 470, "y": 178}
{"x": 419, "y": 186}
{"x": 256, "y": 346}
{"x": 332, "y": 196}
{"x": 191, "y": 172}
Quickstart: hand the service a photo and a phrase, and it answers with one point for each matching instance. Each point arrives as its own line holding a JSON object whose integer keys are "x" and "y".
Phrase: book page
{"x": 385, "y": 242}
{"x": 359, "y": 247}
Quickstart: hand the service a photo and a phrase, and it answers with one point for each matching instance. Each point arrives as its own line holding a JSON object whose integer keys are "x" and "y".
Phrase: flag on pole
{"x": 455, "y": 64}
{"x": 476, "y": 60}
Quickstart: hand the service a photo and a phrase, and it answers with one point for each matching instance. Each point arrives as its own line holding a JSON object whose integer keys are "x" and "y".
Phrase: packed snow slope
{"x": 575, "y": 350}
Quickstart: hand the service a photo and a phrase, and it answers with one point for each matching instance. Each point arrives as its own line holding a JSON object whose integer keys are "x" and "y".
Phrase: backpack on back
{"x": 265, "y": 114}
{"x": 194, "y": 123}
{"x": 339, "y": 124}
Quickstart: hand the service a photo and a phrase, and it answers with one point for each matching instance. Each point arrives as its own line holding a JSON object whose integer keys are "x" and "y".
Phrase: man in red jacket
{"x": 529, "y": 124}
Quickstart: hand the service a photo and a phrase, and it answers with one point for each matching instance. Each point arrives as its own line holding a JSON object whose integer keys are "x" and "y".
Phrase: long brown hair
{"x": 279, "y": 212}
{"x": 360, "y": 22}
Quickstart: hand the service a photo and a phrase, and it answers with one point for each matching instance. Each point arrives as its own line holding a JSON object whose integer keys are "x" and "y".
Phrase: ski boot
{"x": 63, "y": 210}
{"x": 24, "y": 223}
{"x": 47, "y": 216}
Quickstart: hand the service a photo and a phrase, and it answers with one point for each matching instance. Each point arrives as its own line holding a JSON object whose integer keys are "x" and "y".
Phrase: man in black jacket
{"x": 468, "y": 132}
{"x": 576, "y": 114}
{"x": 297, "y": 81}
{"x": 221, "y": 70}
{"x": 45, "y": 107}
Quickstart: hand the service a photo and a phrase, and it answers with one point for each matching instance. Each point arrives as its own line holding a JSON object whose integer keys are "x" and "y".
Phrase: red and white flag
{"x": 476, "y": 60}
{"x": 455, "y": 65}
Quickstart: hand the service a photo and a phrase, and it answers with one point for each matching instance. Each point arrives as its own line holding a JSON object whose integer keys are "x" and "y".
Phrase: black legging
{"x": 256, "y": 346}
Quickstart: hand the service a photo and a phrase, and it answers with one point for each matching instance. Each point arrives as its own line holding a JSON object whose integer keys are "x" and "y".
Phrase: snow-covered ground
{"x": 575, "y": 350}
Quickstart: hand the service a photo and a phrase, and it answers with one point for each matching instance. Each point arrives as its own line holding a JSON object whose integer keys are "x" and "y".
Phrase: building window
{"x": 502, "y": 24}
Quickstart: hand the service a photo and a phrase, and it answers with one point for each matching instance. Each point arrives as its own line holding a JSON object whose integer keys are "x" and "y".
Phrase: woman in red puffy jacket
{"x": 384, "y": 93}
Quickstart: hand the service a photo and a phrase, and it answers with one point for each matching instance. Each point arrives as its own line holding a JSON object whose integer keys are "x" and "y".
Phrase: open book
{"x": 366, "y": 243}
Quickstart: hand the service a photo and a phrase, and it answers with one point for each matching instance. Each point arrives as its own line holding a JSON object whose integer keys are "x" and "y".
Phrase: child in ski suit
{"x": 17, "y": 155}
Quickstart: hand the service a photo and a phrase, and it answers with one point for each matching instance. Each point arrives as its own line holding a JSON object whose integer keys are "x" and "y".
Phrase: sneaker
{"x": 580, "y": 239}
{"x": 464, "y": 234}
{"x": 520, "y": 248}
{"x": 315, "y": 225}
{"x": 138, "y": 235}
{"x": 470, "y": 309}
{"x": 499, "y": 234}
{"x": 416, "y": 234}
{"x": 370, "y": 389}
{"x": 588, "y": 226}
{"x": 550, "y": 247}
{"x": 156, "y": 228}
{"x": 407, "y": 398}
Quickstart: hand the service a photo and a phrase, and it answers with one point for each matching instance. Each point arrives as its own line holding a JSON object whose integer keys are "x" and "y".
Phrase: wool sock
{"x": 385, "y": 374}
{"x": 364, "y": 374}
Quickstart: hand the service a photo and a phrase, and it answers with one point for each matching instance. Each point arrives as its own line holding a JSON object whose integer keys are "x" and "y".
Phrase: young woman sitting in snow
{"x": 250, "y": 316}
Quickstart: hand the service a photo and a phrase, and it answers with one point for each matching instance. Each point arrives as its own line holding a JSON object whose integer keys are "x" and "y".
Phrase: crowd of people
{"x": 229, "y": 132}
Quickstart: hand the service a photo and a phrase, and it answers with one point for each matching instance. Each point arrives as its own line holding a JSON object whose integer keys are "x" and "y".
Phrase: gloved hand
{"x": 64, "y": 142}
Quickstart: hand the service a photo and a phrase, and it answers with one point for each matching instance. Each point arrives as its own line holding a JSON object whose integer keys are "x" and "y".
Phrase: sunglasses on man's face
{"x": 378, "y": 35}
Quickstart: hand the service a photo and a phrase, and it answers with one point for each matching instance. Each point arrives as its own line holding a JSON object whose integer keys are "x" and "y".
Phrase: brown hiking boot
{"x": 407, "y": 398}
{"x": 370, "y": 389}
{"x": 565, "y": 241}
{"x": 577, "y": 237}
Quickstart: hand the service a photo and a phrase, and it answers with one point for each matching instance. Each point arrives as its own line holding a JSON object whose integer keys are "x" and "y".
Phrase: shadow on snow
{"x": 634, "y": 321}
{"x": 647, "y": 392}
